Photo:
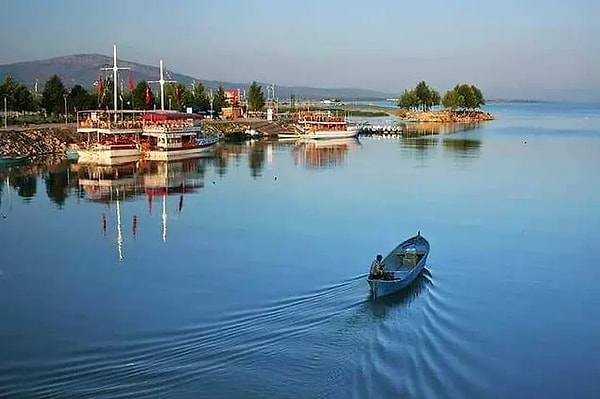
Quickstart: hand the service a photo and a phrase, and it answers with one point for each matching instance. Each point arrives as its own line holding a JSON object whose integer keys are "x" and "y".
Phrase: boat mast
{"x": 115, "y": 70}
{"x": 162, "y": 82}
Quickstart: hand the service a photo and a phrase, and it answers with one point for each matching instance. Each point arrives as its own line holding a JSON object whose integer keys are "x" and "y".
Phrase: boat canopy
{"x": 170, "y": 116}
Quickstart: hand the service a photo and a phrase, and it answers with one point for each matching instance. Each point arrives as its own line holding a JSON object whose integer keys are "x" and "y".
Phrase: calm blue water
{"x": 243, "y": 275}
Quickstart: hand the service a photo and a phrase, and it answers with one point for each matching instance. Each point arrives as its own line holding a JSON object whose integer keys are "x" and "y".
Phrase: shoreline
{"x": 48, "y": 139}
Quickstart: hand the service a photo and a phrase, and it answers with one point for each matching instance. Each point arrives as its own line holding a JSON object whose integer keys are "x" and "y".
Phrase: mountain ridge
{"x": 84, "y": 69}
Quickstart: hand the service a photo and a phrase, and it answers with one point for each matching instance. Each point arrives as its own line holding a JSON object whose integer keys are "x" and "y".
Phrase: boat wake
{"x": 245, "y": 346}
{"x": 407, "y": 344}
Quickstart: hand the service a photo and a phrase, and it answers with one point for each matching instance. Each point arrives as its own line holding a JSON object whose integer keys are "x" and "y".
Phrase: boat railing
{"x": 109, "y": 125}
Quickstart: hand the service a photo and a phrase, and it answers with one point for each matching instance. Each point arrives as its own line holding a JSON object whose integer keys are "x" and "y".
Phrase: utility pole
{"x": 211, "y": 97}
{"x": 65, "y": 97}
{"x": 121, "y": 98}
{"x": 5, "y": 111}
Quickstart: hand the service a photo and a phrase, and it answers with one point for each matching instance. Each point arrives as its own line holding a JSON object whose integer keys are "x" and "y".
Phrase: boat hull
{"x": 107, "y": 156}
{"x": 385, "y": 287}
{"x": 174, "y": 155}
{"x": 350, "y": 132}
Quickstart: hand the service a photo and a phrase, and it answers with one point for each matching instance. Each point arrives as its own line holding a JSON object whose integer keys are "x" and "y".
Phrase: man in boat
{"x": 376, "y": 271}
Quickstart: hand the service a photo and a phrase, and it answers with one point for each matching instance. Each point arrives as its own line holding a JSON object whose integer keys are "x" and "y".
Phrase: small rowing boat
{"x": 11, "y": 161}
{"x": 401, "y": 266}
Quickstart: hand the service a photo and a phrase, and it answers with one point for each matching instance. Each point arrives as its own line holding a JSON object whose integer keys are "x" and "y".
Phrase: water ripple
{"x": 155, "y": 364}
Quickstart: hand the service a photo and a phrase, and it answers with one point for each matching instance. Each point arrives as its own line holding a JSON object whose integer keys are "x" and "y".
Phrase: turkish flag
{"x": 130, "y": 81}
{"x": 148, "y": 96}
{"x": 100, "y": 83}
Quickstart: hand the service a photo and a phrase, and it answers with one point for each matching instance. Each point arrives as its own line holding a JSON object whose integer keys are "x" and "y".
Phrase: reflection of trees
{"x": 420, "y": 144}
{"x": 57, "y": 184}
{"x": 26, "y": 186}
{"x": 415, "y": 129}
{"x": 256, "y": 160}
{"x": 462, "y": 146}
{"x": 56, "y": 175}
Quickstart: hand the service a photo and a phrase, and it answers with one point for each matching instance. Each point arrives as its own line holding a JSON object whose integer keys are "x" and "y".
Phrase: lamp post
{"x": 65, "y": 97}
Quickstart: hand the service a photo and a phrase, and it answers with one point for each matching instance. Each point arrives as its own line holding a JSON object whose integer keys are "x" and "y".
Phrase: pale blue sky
{"x": 510, "y": 48}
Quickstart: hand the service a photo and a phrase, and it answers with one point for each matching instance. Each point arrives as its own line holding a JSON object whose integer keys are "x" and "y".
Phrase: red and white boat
{"x": 169, "y": 136}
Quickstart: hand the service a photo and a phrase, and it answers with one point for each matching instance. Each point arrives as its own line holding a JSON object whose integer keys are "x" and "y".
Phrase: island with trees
{"x": 462, "y": 103}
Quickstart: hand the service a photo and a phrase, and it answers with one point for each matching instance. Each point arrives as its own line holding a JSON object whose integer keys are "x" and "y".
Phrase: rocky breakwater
{"x": 35, "y": 141}
{"x": 447, "y": 116}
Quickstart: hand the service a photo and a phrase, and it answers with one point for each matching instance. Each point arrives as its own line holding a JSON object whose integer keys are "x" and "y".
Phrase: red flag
{"x": 148, "y": 96}
{"x": 179, "y": 94}
{"x": 100, "y": 83}
{"x": 130, "y": 81}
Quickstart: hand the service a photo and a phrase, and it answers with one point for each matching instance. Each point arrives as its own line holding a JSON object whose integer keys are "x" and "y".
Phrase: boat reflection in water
{"x": 132, "y": 181}
{"x": 323, "y": 154}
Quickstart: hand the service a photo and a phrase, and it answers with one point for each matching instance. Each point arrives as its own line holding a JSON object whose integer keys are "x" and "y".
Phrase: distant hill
{"x": 84, "y": 69}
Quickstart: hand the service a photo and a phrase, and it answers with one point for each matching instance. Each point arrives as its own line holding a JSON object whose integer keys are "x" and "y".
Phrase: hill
{"x": 84, "y": 69}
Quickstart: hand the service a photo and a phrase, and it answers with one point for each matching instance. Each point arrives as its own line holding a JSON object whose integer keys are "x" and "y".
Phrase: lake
{"x": 243, "y": 275}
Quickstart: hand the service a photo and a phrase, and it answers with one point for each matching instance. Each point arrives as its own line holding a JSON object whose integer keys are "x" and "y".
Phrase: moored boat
{"x": 7, "y": 160}
{"x": 401, "y": 266}
{"x": 325, "y": 125}
{"x": 168, "y": 136}
{"x": 105, "y": 136}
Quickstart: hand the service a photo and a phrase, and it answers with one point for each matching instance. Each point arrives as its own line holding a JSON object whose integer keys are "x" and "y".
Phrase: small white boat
{"x": 401, "y": 266}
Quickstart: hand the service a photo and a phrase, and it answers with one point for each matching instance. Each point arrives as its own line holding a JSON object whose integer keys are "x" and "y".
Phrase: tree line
{"x": 57, "y": 99}
{"x": 423, "y": 97}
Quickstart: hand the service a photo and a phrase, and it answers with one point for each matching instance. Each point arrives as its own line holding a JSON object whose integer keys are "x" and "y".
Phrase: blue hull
{"x": 385, "y": 287}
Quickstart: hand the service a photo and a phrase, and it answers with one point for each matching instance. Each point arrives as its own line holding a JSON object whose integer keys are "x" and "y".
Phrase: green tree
{"x": 200, "y": 99}
{"x": 18, "y": 96}
{"x": 80, "y": 99}
{"x": 463, "y": 96}
{"x": 422, "y": 93}
{"x": 433, "y": 98}
{"x": 452, "y": 99}
{"x": 408, "y": 100}
{"x": 468, "y": 96}
{"x": 256, "y": 98}
{"x": 52, "y": 96}
{"x": 219, "y": 100}
{"x": 478, "y": 96}
{"x": 421, "y": 97}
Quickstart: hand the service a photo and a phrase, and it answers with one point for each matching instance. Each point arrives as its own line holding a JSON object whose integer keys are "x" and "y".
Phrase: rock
{"x": 36, "y": 141}
{"x": 447, "y": 116}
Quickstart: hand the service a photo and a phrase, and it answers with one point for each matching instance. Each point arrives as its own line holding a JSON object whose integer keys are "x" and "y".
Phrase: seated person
{"x": 376, "y": 271}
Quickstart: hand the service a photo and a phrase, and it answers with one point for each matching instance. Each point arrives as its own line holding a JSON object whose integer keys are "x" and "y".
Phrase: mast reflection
{"x": 134, "y": 181}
